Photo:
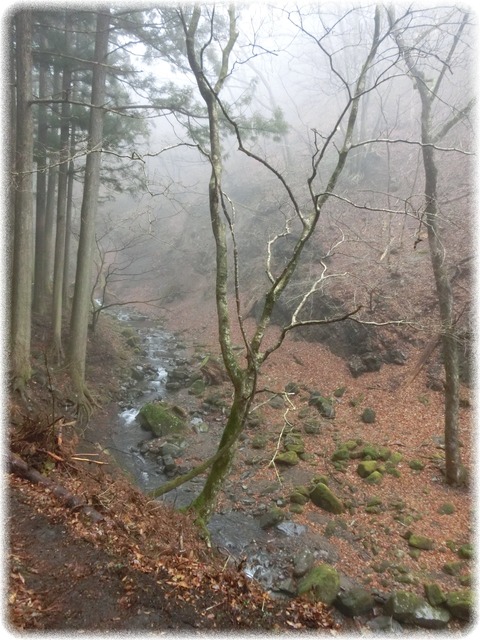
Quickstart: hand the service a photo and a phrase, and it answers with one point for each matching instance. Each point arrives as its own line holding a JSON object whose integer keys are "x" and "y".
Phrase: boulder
{"x": 355, "y": 602}
{"x": 460, "y": 603}
{"x": 366, "y": 467}
{"x": 324, "y": 405}
{"x": 322, "y": 584}
{"x": 271, "y": 518}
{"x": 161, "y": 418}
{"x": 421, "y": 542}
{"x": 289, "y": 458}
{"x": 324, "y": 498}
{"x": 302, "y": 562}
{"x": 410, "y": 608}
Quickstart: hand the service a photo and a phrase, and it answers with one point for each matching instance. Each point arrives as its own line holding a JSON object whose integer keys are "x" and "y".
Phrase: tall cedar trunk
{"x": 68, "y": 222}
{"x": 58, "y": 270}
{"x": 81, "y": 300}
{"x": 22, "y": 264}
{"x": 40, "y": 286}
{"x": 50, "y": 222}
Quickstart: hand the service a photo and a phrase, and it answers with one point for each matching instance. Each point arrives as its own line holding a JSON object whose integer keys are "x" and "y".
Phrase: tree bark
{"x": 22, "y": 265}
{"x": 77, "y": 348}
{"x": 40, "y": 287}
{"x": 58, "y": 270}
{"x": 454, "y": 470}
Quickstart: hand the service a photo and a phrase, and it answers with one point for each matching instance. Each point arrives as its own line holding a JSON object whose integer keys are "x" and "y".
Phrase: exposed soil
{"x": 144, "y": 566}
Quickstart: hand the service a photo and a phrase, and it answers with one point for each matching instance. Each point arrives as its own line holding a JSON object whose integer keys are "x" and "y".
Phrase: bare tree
{"x": 222, "y": 216}
{"x": 429, "y": 89}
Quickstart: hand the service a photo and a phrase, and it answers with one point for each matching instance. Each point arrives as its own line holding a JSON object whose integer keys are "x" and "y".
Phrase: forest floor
{"x": 137, "y": 565}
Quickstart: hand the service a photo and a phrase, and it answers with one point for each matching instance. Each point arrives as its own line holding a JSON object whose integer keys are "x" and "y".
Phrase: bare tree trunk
{"x": 454, "y": 470}
{"x": 22, "y": 266}
{"x": 77, "y": 348}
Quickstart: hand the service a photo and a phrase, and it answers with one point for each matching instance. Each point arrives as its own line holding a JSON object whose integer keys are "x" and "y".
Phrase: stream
{"x": 266, "y": 555}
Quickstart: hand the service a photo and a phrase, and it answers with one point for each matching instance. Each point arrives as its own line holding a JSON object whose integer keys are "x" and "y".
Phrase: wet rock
{"x": 355, "y": 602}
{"x": 322, "y": 584}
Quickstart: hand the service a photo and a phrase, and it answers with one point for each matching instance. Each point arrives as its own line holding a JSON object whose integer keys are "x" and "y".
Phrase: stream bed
{"x": 266, "y": 555}
{"x": 275, "y": 557}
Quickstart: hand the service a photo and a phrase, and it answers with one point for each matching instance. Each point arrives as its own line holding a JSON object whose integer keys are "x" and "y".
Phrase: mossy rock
{"x": 324, "y": 405}
{"x": 466, "y": 551}
{"x": 416, "y": 465}
{"x": 366, "y": 467}
{"x": 341, "y": 453}
{"x": 374, "y": 478}
{"x": 321, "y": 584}
{"x": 421, "y": 542}
{"x": 454, "y": 568}
{"x": 434, "y": 594}
{"x": 294, "y": 442}
{"x": 271, "y": 518}
{"x": 324, "y": 498}
{"x": 368, "y": 416}
{"x": 288, "y": 458}
{"x": 299, "y": 498}
{"x": 340, "y": 392}
{"x": 295, "y": 507}
{"x": 355, "y": 602}
{"x": 410, "y": 608}
{"x": 197, "y": 388}
{"x": 460, "y": 603}
{"x": 375, "y": 452}
{"x": 161, "y": 418}
{"x": 259, "y": 441}
{"x": 447, "y": 508}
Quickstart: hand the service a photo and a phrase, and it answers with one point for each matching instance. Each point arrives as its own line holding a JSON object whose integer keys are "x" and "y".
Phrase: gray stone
{"x": 410, "y": 608}
{"x": 355, "y": 602}
{"x": 302, "y": 562}
{"x": 384, "y": 624}
{"x": 271, "y": 518}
